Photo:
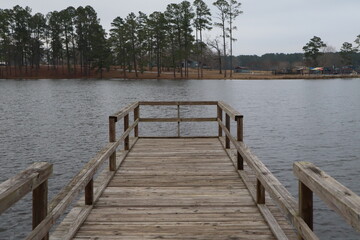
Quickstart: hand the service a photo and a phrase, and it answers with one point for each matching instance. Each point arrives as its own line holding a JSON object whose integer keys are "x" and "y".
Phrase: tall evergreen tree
{"x": 222, "y": 6}
{"x": 158, "y": 28}
{"x": 202, "y": 22}
{"x": 347, "y": 53}
{"x": 5, "y": 38}
{"x": 21, "y": 34}
{"x": 131, "y": 25}
{"x": 312, "y": 50}
{"x": 55, "y": 31}
{"x": 357, "y": 41}
{"x": 38, "y": 27}
{"x": 118, "y": 42}
{"x": 67, "y": 22}
{"x": 144, "y": 40}
{"x": 186, "y": 18}
{"x": 233, "y": 12}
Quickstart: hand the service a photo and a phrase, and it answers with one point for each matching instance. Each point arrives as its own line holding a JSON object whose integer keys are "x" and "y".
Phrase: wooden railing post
{"x": 112, "y": 138}
{"x": 136, "y": 117}
{"x": 227, "y": 139}
{"x": 260, "y": 193}
{"x": 220, "y": 116}
{"x": 178, "y": 116}
{"x": 240, "y": 137}
{"x": 40, "y": 205}
{"x": 126, "y": 126}
{"x": 312, "y": 180}
{"x": 306, "y": 205}
{"x": 89, "y": 193}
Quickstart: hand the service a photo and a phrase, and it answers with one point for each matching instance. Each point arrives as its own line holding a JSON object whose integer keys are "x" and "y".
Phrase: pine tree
{"x": 202, "y": 22}
{"x": 222, "y": 6}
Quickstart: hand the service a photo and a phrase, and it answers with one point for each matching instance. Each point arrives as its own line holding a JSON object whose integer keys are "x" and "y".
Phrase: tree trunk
{"x": 201, "y": 55}
{"x": 224, "y": 46}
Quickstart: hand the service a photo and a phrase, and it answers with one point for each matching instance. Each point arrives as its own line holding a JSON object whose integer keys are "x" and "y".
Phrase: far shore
{"x": 114, "y": 73}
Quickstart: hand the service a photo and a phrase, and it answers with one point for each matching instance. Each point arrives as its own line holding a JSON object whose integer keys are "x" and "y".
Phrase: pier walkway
{"x": 175, "y": 189}
{"x": 200, "y": 187}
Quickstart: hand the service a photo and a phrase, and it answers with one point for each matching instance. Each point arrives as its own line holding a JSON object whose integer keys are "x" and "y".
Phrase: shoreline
{"x": 115, "y": 73}
{"x": 265, "y": 77}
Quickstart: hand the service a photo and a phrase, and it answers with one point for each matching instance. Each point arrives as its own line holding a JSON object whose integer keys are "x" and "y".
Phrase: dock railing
{"x": 35, "y": 179}
{"x": 311, "y": 179}
{"x": 339, "y": 198}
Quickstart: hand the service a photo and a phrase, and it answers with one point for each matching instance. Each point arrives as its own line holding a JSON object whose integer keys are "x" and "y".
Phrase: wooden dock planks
{"x": 176, "y": 189}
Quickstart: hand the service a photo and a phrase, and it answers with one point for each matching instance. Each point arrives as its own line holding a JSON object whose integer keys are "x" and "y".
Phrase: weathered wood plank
{"x": 229, "y": 110}
{"x": 158, "y": 192}
{"x": 40, "y": 205}
{"x": 26, "y": 181}
{"x": 136, "y": 117}
{"x": 219, "y": 117}
{"x": 162, "y": 103}
{"x": 112, "y": 138}
{"x": 178, "y": 119}
{"x": 338, "y": 197}
{"x": 125, "y": 111}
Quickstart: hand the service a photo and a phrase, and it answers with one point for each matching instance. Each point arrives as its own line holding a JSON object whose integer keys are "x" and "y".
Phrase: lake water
{"x": 65, "y": 122}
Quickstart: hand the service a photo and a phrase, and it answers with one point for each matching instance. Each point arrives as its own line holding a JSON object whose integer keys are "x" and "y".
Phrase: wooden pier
{"x": 178, "y": 187}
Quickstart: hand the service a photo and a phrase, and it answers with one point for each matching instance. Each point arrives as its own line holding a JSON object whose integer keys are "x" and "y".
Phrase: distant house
{"x": 242, "y": 70}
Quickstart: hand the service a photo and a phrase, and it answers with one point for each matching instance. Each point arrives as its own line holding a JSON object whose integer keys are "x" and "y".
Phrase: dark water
{"x": 64, "y": 122}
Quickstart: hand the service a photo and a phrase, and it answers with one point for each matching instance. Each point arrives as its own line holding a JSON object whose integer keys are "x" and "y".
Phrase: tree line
{"x": 316, "y": 48}
{"x": 72, "y": 40}
{"x": 316, "y": 53}
{"x": 67, "y": 38}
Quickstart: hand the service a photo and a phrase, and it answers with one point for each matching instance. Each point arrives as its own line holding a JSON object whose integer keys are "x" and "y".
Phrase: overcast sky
{"x": 265, "y": 26}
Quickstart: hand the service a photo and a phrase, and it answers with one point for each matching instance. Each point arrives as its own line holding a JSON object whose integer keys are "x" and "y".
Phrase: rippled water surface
{"x": 64, "y": 122}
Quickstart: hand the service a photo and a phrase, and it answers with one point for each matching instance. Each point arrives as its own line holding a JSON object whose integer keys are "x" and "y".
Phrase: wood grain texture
{"x": 234, "y": 115}
{"x": 15, "y": 188}
{"x": 40, "y": 205}
{"x": 183, "y": 188}
{"x": 169, "y": 103}
{"x": 227, "y": 122}
{"x": 338, "y": 197}
{"x": 136, "y": 117}
{"x": 125, "y": 111}
{"x": 219, "y": 118}
{"x": 112, "y": 138}
{"x": 178, "y": 119}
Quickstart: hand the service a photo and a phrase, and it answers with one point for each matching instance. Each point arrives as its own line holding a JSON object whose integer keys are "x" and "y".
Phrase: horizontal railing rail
{"x": 338, "y": 197}
{"x": 181, "y": 103}
{"x": 178, "y": 119}
{"x": 35, "y": 179}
